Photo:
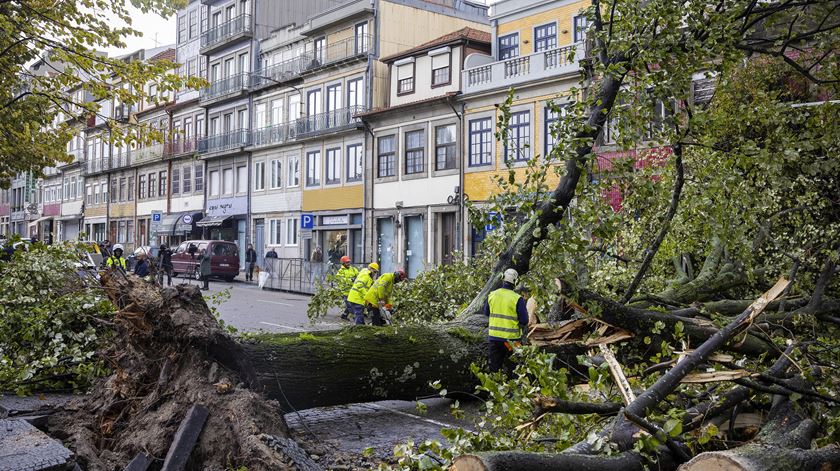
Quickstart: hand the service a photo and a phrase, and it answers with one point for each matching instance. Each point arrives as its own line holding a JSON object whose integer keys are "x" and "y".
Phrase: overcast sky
{"x": 156, "y": 31}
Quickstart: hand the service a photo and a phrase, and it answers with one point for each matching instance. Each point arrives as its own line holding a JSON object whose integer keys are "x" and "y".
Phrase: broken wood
{"x": 185, "y": 439}
{"x": 544, "y": 404}
{"x": 618, "y": 375}
{"x": 716, "y": 376}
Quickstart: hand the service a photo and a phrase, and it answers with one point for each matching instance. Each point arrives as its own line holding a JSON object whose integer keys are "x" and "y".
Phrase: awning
{"x": 171, "y": 224}
{"x": 186, "y": 221}
{"x": 212, "y": 221}
{"x": 167, "y": 223}
{"x": 40, "y": 220}
{"x": 69, "y": 217}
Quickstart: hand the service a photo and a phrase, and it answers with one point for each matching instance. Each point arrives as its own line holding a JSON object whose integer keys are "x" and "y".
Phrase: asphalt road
{"x": 251, "y": 309}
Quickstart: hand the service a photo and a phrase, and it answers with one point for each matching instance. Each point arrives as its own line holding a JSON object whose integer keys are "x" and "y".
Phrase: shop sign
{"x": 335, "y": 220}
{"x": 227, "y": 206}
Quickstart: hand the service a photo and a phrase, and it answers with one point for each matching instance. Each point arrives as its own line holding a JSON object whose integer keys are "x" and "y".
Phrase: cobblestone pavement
{"x": 25, "y": 448}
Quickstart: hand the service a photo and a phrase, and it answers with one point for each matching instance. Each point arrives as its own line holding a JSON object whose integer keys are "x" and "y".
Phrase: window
{"x": 187, "y": 179}
{"x": 509, "y": 46}
{"x": 244, "y": 65}
{"x": 259, "y": 175}
{"x": 182, "y": 28}
{"x": 333, "y": 104}
{"x": 355, "y": 93}
{"x": 415, "y": 150}
{"x": 152, "y": 185}
{"x": 318, "y": 50}
{"x": 441, "y": 69}
{"x": 313, "y": 103}
{"x": 333, "y": 166}
{"x": 193, "y": 24}
{"x": 313, "y": 168}
{"x": 551, "y": 119}
{"x": 176, "y": 181}
{"x": 292, "y": 231}
{"x": 580, "y": 25}
{"x": 242, "y": 179}
{"x": 294, "y": 171}
{"x": 162, "y": 183}
{"x": 130, "y": 191}
{"x": 259, "y": 115}
{"x": 445, "y": 147}
{"x": 386, "y": 157}
{"x": 274, "y": 232}
{"x": 276, "y": 173}
{"x": 355, "y": 163}
{"x": 214, "y": 183}
{"x": 242, "y": 119}
{"x": 276, "y": 112}
{"x": 199, "y": 177}
{"x": 104, "y": 192}
{"x": 361, "y": 38}
{"x": 141, "y": 188}
{"x": 294, "y": 107}
{"x": 545, "y": 37}
{"x": 227, "y": 181}
{"x": 405, "y": 79}
{"x": 114, "y": 190}
{"x": 518, "y": 144}
{"x": 481, "y": 142}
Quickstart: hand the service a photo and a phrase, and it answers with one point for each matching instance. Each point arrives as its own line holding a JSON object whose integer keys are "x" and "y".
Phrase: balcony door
{"x": 334, "y": 105}
{"x": 313, "y": 107}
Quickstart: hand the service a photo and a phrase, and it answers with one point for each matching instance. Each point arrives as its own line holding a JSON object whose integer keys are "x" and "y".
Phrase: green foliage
{"x": 52, "y": 321}
{"x": 213, "y": 302}
{"x": 38, "y": 106}
{"x": 328, "y": 294}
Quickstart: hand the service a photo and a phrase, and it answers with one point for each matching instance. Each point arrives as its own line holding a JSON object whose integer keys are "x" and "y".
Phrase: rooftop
{"x": 465, "y": 34}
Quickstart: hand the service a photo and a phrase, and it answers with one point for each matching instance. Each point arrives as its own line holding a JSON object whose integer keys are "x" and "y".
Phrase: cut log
{"x": 519, "y": 461}
{"x": 185, "y": 439}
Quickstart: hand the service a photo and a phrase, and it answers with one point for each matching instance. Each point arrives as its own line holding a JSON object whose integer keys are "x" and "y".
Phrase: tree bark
{"x": 516, "y": 461}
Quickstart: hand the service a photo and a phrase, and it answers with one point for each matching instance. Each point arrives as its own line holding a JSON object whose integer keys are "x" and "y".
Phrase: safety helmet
{"x": 345, "y": 259}
{"x": 511, "y": 275}
{"x": 400, "y": 274}
{"x": 374, "y": 266}
{"x": 118, "y": 247}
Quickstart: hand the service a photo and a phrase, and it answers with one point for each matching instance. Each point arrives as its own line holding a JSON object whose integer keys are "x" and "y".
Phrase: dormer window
{"x": 441, "y": 66}
{"x": 405, "y": 76}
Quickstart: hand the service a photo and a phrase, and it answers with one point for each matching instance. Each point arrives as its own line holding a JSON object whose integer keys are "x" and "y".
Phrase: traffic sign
{"x": 307, "y": 221}
{"x": 156, "y": 215}
{"x": 187, "y": 219}
{"x": 495, "y": 219}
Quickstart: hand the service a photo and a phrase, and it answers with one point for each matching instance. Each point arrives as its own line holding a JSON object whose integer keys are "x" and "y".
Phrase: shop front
{"x": 227, "y": 219}
{"x": 96, "y": 230}
{"x": 336, "y": 234}
{"x": 179, "y": 227}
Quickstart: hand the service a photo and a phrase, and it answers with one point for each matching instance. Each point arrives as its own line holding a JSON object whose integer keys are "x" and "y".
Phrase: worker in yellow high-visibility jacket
{"x": 356, "y": 297}
{"x": 379, "y": 295}
{"x": 508, "y": 319}
{"x": 346, "y": 276}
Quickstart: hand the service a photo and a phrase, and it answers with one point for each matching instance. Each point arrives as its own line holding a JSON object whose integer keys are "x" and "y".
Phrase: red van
{"x": 224, "y": 259}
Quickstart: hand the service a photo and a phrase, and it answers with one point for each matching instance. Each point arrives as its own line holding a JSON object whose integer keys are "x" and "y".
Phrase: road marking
{"x": 275, "y": 302}
{"x": 399, "y": 412}
{"x": 283, "y": 326}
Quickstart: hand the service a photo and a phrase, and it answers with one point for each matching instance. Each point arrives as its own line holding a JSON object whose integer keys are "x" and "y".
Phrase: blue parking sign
{"x": 495, "y": 219}
{"x": 156, "y": 217}
{"x": 307, "y": 221}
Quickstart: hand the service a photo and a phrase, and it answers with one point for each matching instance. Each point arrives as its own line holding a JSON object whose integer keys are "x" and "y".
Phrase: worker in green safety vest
{"x": 508, "y": 319}
{"x": 356, "y": 297}
{"x": 346, "y": 276}
{"x": 378, "y": 296}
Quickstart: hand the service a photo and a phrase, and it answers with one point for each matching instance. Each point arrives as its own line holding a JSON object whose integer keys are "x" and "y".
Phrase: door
{"x": 386, "y": 245}
{"x": 414, "y": 245}
{"x": 240, "y": 241}
{"x": 446, "y": 237}
{"x": 259, "y": 240}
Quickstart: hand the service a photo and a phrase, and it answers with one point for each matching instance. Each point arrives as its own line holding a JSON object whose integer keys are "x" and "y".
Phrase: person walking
{"x": 346, "y": 276}
{"x": 508, "y": 319}
{"x": 378, "y": 296}
{"x": 250, "y": 261}
{"x": 204, "y": 269}
{"x": 165, "y": 257}
{"x": 356, "y": 296}
{"x": 116, "y": 258}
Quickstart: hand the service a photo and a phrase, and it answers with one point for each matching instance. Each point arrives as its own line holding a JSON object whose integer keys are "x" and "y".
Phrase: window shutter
{"x": 440, "y": 61}
{"x": 405, "y": 71}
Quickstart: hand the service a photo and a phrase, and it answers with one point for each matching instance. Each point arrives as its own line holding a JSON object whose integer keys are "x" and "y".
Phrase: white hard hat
{"x": 511, "y": 275}
{"x": 119, "y": 247}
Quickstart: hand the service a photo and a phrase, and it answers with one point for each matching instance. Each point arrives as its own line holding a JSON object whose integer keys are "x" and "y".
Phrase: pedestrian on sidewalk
{"x": 204, "y": 269}
{"x": 165, "y": 257}
{"x": 250, "y": 261}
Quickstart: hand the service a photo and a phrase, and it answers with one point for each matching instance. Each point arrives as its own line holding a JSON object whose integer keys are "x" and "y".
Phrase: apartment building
{"x": 415, "y": 145}
{"x": 536, "y": 49}
{"x": 71, "y": 195}
{"x": 230, "y": 45}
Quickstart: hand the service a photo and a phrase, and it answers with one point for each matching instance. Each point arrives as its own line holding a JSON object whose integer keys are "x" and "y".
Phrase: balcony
{"x": 226, "y": 142}
{"x": 304, "y": 128}
{"x": 175, "y": 148}
{"x": 218, "y": 36}
{"x": 226, "y": 88}
{"x": 93, "y": 166}
{"x": 553, "y": 63}
{"x": 123, "y": 112}
{"x": 334, "y": 54}
{"x": 149, "y": 153}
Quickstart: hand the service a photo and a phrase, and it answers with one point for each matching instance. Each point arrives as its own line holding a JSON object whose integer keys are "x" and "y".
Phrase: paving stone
{"x": 25, "y": 448}
{"x": 11, "y": 404}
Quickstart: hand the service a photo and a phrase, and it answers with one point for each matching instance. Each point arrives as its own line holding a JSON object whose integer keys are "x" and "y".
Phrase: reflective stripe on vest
{"x": 360, "y": 287}
{"x": 504, "y": 322}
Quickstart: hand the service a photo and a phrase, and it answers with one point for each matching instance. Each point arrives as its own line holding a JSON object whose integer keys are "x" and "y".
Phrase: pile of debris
{"x": 178, "y": 393}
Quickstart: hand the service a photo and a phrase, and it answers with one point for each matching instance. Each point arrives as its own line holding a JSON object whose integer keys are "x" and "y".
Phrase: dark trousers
{"x": 348, "y": 309}
{"x": 206, "y": 280}
{"x": 497, "y": 353}
{"x": 375, "y": 315}
{"x": 249, "y": 275}
{"x": 166, "y": 270}
{"x": 358, "y": 313}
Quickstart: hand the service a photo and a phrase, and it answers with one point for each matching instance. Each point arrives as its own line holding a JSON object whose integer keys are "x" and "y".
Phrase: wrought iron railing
{"x": 307, "y": 126}
{"x": 184, "y": 145}
{"x": 226, "y": 86}
{"x": 314, "y": 58}
{"x": 228, "y": 29}
{"x": 225, "y": 141}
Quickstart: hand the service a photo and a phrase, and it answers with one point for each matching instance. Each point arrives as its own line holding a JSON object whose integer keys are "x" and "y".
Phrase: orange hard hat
{"x": 345, "y": 259}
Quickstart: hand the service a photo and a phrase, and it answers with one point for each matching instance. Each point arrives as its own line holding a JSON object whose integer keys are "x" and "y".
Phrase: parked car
{"x": 224, "y": 259}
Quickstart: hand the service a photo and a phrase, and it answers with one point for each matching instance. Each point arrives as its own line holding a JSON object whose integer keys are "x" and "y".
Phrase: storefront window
{"x": 335, "y": 243}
